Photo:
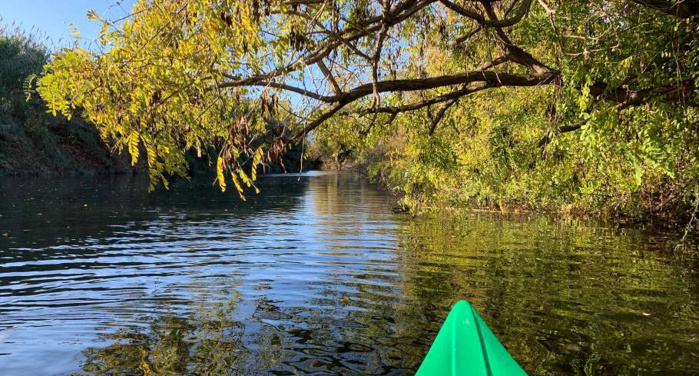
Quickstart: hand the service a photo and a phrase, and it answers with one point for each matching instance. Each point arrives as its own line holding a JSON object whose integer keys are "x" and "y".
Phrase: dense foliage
{"x": 32, "y": 141}
{"x": 546, "y": 104}
{"x": 20, "y": 57}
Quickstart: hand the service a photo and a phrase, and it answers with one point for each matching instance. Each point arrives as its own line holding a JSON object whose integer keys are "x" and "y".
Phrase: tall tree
{"x": 178, "y": 75}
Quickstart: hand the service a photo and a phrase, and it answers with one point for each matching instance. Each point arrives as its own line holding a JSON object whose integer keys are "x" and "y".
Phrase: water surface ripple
{"x": 317, "y": 276}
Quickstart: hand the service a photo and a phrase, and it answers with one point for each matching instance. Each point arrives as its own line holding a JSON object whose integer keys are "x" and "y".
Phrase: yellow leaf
{"x": 237, "y": 186}
{"x": 256, "y": 158}
{"x": 92, "y": 15}
{"x": 219, "y": 174}
{"x": 133, "y": 141}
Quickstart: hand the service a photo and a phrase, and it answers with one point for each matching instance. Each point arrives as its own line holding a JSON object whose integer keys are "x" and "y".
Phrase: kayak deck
{"x": 466, "y": 346}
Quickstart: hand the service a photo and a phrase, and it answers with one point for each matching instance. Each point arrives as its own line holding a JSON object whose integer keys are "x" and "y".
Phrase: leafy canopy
{"x": 248, "y": 78}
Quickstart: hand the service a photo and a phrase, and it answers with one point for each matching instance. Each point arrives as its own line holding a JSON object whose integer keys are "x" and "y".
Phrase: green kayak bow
{"x": 465, "y": 346}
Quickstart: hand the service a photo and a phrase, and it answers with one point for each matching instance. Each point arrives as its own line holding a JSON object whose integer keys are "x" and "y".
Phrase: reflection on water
{"x": 316, "y": 276}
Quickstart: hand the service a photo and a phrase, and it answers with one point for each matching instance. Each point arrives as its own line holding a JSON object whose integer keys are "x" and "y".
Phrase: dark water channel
{"x": 317, "y": 276}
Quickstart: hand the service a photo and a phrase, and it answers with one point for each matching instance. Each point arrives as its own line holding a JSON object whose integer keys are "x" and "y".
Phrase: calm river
{"x": 316, "y": 275}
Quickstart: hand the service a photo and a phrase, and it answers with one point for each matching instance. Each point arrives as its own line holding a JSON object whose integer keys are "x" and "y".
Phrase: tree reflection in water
{"x": 317, "y": 276}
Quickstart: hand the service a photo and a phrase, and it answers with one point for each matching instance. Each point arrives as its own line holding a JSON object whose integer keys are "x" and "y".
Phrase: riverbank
{"x": 678, "y": 219}
{"x": 57, "y": 149}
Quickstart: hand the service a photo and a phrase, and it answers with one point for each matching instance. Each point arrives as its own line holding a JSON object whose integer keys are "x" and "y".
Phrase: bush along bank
{"x": 33, "y": 142}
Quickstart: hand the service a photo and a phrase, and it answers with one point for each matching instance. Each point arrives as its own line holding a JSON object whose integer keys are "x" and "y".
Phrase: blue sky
{"x": 52, "y": 17}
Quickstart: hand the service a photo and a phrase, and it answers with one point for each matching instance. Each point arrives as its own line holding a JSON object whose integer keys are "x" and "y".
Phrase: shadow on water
{"x": 317, "y": 276}
{"x": 43, "y": 212}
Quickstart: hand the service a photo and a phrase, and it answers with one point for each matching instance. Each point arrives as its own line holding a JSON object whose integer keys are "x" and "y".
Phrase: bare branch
{"x": 319, "y": 120}
{"x": 517, "y": 54}
{"x": 440, "y": 114}
{"x": 468, "y": 36}
{"x": 328, "y": 76}
{"x": 681, "y": 9}
{"x": 492, "y": 22}
{"x": 494, "y": 79}
{"x": 279, "y": 85}
{"x": 418, "y": 105}
{"x": 626, "y": 98}
{"x": 563, "y": 129}
{"x": 498, "y": 61}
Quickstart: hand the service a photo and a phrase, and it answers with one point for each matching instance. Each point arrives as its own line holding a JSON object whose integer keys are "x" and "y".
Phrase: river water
{"x": 316, "y": 275}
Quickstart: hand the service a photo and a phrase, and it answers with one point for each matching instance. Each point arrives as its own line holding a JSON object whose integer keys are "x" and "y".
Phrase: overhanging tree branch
{"x": 192, "y": 76}
{"x": 395, "y": 110}
{"x": 627, "y": 98}
{"x": 481, "y": 20}
{"x": 678, "y": 8}
{"x": 493, "y": 79}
